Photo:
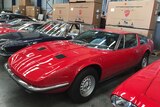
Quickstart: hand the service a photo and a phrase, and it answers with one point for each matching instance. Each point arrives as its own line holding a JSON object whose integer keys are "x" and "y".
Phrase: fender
{"x": 84, "y": 65}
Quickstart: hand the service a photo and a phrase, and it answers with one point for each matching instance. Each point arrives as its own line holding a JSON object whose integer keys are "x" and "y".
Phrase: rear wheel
{"x": 144, "y": 61}
{"x": 84, "y": 85}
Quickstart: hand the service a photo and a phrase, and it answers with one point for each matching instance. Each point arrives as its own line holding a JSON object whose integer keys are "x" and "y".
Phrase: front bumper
{"x": 30, "y": 87}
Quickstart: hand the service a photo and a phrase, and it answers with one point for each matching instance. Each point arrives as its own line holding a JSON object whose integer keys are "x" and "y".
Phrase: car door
{"x": 143, "y": 45}
{"x": 123, "y": 57}
{"x": 128, "y": 51}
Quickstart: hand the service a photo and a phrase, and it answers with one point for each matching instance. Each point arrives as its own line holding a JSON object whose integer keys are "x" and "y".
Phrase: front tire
{"x": 84, "y": 85}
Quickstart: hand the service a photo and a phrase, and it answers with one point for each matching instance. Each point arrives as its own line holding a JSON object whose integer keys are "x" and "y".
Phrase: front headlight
{"x": 120, "y": 102}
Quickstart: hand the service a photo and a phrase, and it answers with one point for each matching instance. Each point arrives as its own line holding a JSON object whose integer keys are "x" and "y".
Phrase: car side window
{"x": 143, "y": 39}
{"x": 130, "y": 40}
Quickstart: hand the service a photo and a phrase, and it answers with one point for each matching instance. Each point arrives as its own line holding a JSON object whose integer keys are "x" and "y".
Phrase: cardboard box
{"x": 96, "y": 1}
{"x": 138, "y": 14}
{"x": 24, "y": 2}
{"x": 89, "y": 13}
{"x": 61, "y": 12}
{"x": 22, "y": 9}
{"x": 148, "y": 33}
{"x": 32, "y": 11}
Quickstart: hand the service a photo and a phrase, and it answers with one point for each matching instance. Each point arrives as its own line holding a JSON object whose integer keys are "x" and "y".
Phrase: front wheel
{"x": 84, "y": 85}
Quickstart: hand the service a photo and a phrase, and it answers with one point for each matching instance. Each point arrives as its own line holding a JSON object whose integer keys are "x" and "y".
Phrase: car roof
{"x": 122, "y": 32}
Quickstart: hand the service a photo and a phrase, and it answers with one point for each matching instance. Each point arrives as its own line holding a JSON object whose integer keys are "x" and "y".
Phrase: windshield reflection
{"x": 97, "y": 39}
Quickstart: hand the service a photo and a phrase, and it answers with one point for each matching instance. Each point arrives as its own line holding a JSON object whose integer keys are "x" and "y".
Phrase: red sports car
{"x": 140, "y": 90}
{"x": 78, "y": 65}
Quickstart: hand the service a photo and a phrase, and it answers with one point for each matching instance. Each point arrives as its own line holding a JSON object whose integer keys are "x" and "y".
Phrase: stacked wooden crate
{"x": 87, "y": 11}
{"x": 21, "y": 7}
{"x": 133, "y": 16}
{"x": 25, "y": 8}
{"x": 32, "y": 11}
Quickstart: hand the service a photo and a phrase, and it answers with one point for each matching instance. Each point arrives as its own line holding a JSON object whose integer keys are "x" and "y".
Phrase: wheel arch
{"x": 97, "y": 67}
{"x": 147, "y": 52}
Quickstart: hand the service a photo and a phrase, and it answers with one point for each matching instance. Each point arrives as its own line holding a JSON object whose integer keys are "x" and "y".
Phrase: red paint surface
{"x": 6, "y": 30}
{"x": 142, "y": 89}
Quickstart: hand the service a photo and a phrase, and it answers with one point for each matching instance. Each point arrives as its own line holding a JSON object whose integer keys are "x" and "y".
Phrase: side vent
{"x": 41, "y": 48}
{"x": 60, "y": 56}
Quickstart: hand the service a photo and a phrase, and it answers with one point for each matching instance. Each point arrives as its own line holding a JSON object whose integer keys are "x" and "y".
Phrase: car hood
{"x": 144, "y": 84}
{"x": 6, "y": 30}
{"x": 42, "y": 59}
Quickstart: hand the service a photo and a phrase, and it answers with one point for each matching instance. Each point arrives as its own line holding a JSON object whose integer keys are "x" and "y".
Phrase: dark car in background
{"x": 29, "y": 27}
{"x": 5, "y": 17}
{"x": 15, "y": 22}
{"x": 54, "y": 30}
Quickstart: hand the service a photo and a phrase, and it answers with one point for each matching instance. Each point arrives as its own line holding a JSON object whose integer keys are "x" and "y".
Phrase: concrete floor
{"x": 12, "y": 95}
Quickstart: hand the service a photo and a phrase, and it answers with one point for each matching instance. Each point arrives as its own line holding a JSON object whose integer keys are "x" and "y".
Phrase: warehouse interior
{"x": 79, "y": 53}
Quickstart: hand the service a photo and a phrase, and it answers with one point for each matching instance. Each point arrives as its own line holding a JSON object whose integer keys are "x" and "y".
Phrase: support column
{"x": 2, "y": 4}
{"x": 39, "y": 3}
{"x": 13, "y": 2}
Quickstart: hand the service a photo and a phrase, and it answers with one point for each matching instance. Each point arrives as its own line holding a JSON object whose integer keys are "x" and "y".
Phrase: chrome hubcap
{"x": 144, "y": 62}
{"x": 87, "y": 86}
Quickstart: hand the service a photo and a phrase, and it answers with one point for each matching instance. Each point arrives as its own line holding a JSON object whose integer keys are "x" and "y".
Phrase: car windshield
{"x": 97, "y": 39}
{"x": 45, "y": 27}
{"x": 58, "y": 29}
{"x": 16, "y": 21}
{"x": 18, "y": 26}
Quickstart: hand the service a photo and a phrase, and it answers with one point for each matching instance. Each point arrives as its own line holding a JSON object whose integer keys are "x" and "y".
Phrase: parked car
{"x": 78, "y": 65}
{"x": 15, "y": 22}
{"x": 22, "y": 27}
{"x": 29, "y": 26}
{"x": 140, "y": 90}
{"x": 5, "y": 17}
{"x": 6, "y": 11}
{"x": 12, "y": 42}
{"x": 65, "y": 28}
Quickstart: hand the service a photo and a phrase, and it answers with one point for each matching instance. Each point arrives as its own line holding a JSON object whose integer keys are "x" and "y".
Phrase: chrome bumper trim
{"x": 29, "y": 87}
